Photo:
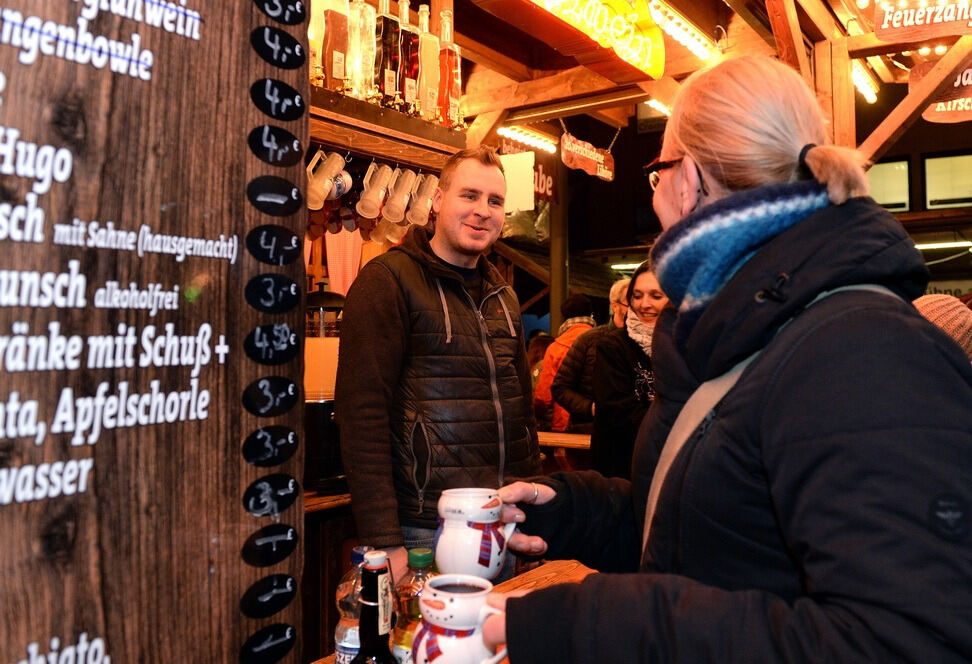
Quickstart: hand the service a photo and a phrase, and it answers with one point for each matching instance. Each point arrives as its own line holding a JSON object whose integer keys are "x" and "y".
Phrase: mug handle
{"x": 366, "y": 180}
{"x": 485, "y": 613}
{"x": 508, "y": 530}
{"x": 313, "y": 162}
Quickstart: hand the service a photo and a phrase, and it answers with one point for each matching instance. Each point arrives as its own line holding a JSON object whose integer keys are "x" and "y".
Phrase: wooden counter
{"x": 570, "y": 441}
{"x": 548, "y": 574}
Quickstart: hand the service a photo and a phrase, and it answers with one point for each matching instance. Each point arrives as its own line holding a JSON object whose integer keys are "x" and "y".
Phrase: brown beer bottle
{"x": 377, "y": 606}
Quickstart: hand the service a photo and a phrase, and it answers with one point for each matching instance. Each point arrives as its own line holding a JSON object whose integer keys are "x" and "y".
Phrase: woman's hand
{"x": 530, "y": 493}
{"x": 494, "y": 629}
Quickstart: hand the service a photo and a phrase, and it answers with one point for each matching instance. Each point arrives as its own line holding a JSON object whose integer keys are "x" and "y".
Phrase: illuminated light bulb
{"x": 940, "y": 49}
{"x": 906, "y": 53}
{"x": 902, "y": 4}
{"x": 924, "y": 50}
{"x": 658, "y": 106}
{"x": 862, "y": 4}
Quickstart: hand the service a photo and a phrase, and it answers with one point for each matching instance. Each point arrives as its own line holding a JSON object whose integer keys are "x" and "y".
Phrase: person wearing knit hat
{"x": 951, "y": 315}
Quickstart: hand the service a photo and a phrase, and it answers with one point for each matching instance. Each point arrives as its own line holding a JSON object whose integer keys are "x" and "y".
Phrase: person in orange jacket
{"x": 578, "y": 314}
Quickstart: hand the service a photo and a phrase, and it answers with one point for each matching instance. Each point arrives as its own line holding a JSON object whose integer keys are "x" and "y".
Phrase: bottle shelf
{"x": 348, "y": 123}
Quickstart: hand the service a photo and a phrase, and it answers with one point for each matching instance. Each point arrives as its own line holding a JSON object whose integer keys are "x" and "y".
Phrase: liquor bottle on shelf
{"x": 428, "y": 81}
{"x": 387, "y": 45}
{"x": 335, "y": 50}
{"x": 346, "y": 639}
{"x": 408, "y": 63}
{"x": 450, "y": 76}
{"x": 361, "y": 50}
{"x": 315, "y": 42}
{"x": 409, "y": 591}
{"x": 377, "y": 606}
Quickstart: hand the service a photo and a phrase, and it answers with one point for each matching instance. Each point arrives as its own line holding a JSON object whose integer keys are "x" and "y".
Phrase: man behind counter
{"x": 433, "y": 388}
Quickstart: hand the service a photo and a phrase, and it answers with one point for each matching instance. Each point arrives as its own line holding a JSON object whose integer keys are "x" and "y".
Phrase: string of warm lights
{"x": 529, "y": 137}
{"x": 863, "y": 82}
{"x": 658, "y": 106}
{"x": 681, "y": 30}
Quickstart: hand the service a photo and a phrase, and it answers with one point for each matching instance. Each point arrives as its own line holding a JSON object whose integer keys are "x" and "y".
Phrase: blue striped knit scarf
{"x": 696, "y": 257}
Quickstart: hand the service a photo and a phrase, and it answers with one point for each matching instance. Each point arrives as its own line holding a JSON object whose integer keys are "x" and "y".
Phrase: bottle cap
{"x": 420, "y": 557}
{"x": 376, "y": 559}
{"x": 358, "y": 553}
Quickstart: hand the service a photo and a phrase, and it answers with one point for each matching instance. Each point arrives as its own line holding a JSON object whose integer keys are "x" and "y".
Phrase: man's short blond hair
{"x": 484, "y": 154}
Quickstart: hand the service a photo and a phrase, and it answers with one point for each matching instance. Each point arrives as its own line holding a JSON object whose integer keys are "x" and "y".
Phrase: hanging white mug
{"x": 418, "y": 212}
{"x": 320, "y": 177}
{"x": 375, "y": 187}
{"x": 342, "y": 184}
{"x": 405, "y": 184}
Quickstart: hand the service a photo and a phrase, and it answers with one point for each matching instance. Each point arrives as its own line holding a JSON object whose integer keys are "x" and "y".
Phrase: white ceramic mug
{"x": 453, "y": 610}
{"x": 321, "y": 172}
{"x": 375, "y": 187}
{"x": 403, "y": 186}
{"x": 472, "y": 540}
{"x": 418, "y": 211}
{"x": 341, "y": 184}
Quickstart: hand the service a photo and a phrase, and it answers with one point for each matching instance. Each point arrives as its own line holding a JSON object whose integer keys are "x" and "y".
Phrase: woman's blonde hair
{"x": 745, "y": 120}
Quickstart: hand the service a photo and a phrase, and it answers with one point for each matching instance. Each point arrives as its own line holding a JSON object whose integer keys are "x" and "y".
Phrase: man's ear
{"x": 437, "y": 200}
{"x": 689, "y": 187}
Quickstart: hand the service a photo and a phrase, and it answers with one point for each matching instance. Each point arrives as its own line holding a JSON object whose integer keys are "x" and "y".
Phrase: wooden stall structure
{"x": 150, "y": 330}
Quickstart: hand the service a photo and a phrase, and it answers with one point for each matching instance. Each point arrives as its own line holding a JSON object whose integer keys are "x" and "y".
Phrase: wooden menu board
{"x": 151, "y": 177}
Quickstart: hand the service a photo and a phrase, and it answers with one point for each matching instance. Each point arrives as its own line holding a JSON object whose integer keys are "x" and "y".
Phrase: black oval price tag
{"x": 268, "y": 596}
{"x": 288, "y": 12}
{"x": 272, "y": 293}
{"x": 274, "y": 195}
{"x": 274, "y": 245}
{"x": 271, "y": 495}
{"x": 270, "y": 446}
{"x": 270, "y": 396}
{"x": 275, "y": 145}
{"x": 269, "y": 645}
{"x": 269, "y": 545}
{"x": 272, "y": 344}
{"x": 278, "y": 47}
{"x": 277, "y": 99}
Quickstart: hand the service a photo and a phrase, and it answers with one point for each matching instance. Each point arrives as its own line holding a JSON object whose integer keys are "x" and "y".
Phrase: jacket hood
{"x": 854, "y": 243}
{"x": 416, "y": 245}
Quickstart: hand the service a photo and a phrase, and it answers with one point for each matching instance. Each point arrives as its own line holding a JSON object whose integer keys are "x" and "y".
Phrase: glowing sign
{"x": 628, "y": 30}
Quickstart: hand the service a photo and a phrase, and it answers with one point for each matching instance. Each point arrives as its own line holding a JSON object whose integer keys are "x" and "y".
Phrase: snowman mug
{"x": 471, "y": 538}
{"x": 453, "y": 610}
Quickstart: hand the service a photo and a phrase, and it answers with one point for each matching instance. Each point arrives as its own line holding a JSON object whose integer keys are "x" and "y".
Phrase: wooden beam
{"x": 569, "y": 83}
{"x": 844, "y": 119}
{"x": 911, "y": 107}
{"x": 488, "y": 57}
{"x": 482, "y": 127}
{"x": 866, "y": 45}
{"x": 528, "y": 265}
{"x": 619, "y": 117}
{"x": 544, "y": 292}
{"x": 664, "y": 89}
{"x": 789, "y": 37}
{"x": 824, "y": 24}
{"x": 823, "y": 83}
{"x": 741, "y": 7}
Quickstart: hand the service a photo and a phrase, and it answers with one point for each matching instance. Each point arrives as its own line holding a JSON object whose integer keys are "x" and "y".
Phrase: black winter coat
{"x": 432, "y": 391}
{"x": 823, "y": 510}
{"x": 573, "y": 386}
{"x": 624, "y": 386}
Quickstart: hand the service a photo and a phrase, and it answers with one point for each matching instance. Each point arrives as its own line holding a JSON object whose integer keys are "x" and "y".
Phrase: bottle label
{"x": 411, "y": 90}
{"x": 337, "y": 65}
{"x": 344, "y": 655}
{"x": 453, "y": 109}
{"x": 384, "y": 604}
{"x": 402, "y": 654}
{"x": 390, "y": 82}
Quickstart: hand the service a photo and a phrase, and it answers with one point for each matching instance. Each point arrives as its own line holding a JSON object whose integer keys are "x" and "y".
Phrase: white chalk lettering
{"x": 171, "y": 17}
{"x": 23, "y": 484}
{"x": 81, "y": 652}
{"x": 171, "y": 350}
{"x": 222, "y": 247}
{"x": 22, "y": 351}
{"x": 18, "y": 419}
{"x": 153, "y": 297}
{"x": 23, "y": 222}
{"x": 24, "y": 159}
{"x": 24, "y": 288}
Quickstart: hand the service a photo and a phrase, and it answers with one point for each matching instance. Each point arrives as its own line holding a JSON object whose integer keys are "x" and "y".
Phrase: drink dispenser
{"x": 323, "y": 471}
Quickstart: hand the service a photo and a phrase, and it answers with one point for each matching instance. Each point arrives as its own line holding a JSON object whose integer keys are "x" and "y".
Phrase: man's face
{"x": 469, "y": 214}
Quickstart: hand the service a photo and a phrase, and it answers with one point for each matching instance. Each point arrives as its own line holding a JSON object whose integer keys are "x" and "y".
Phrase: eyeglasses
{"x": 653, "y": 170}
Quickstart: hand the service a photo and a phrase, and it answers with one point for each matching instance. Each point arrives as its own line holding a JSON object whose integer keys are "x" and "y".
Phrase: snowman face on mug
{"x": 454, "y": 601}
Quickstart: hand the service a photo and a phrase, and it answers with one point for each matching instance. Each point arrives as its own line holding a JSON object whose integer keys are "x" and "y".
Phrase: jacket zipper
{"x": 420, "y": 490}
{"x": 493, "y": 384}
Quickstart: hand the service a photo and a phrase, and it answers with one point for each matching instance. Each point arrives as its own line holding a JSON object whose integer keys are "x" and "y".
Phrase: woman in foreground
{"x": 821, "y": 511}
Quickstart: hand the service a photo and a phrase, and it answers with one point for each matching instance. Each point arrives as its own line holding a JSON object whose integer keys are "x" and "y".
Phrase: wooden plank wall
{"x": 126, "y": 494}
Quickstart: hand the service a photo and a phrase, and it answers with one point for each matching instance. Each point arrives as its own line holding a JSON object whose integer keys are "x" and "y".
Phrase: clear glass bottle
{"x": 346, "y": 639}
{"x": 315, "y": 42}
{"x": 428, "y": 81}
{"x": 377, "y": 610}
{"x": 335, "y": 50}
{"x": 361, "y": 50}
{"x": 450, "y": 75}
{"x": 408, "y": 63}
{"x": 409, "y": 591}
{"x": 387, "y": 54}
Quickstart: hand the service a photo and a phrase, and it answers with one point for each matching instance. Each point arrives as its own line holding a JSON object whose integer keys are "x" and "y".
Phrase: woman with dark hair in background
{"x": 624, "y": 383}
